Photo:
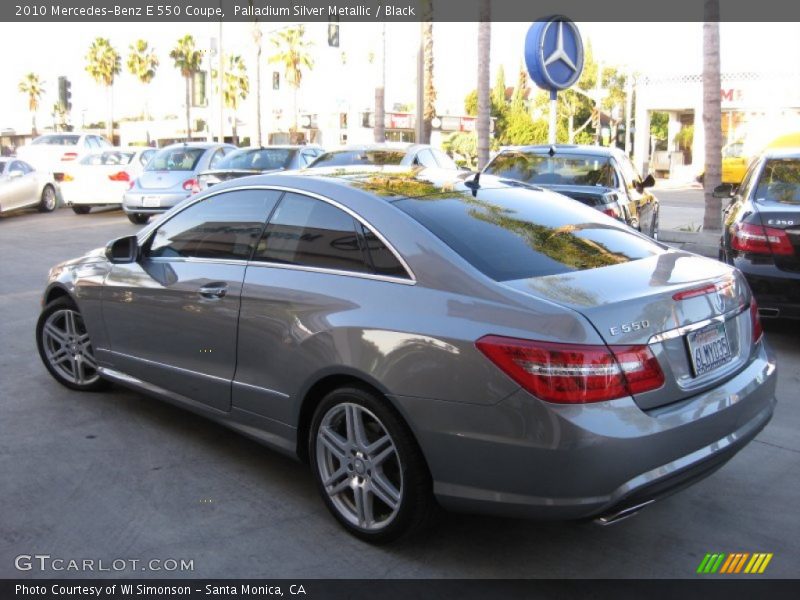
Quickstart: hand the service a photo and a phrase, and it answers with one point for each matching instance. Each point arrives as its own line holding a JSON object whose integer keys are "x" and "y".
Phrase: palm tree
{"x": 484, "y": 103}
{"x": 33, "y": 87}
{"x": 236, "y": 87}
{"x": 712, "y": 116}
{"x": 291, "y": 50}
{"x": 257, "y": 35}
{"x": 380, "y": 89}
{"x": 142, "y": 64}
{"x": 429, "y": 92}
{"x": 187, "y": 60}
{"x": 104, "y": 64}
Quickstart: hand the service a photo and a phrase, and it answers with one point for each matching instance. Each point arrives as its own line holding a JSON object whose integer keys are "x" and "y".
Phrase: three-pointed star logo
{"x": 559, "y": 53}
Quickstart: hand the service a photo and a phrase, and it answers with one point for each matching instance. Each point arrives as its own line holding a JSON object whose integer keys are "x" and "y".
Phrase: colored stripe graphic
{"x": 734, "y": 563}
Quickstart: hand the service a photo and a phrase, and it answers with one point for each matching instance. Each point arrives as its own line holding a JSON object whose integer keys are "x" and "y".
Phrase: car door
{"x": 171, "y": 316}
{"x": 21, "y": 187}
{"x": 641, "y": 202}
{"x": 313, "y": 267}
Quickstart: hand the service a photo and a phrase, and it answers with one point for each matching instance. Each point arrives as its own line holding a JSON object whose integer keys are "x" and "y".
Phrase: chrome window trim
{"x": 684, "y": 329}
{"x": 412, "y": 279}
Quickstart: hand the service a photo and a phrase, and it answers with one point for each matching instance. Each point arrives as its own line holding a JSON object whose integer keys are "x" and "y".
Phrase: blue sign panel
{"x": 554, "y": 53}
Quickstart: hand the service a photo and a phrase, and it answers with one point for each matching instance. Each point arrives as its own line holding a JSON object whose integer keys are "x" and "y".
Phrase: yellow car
{"x": 735, "y": 159}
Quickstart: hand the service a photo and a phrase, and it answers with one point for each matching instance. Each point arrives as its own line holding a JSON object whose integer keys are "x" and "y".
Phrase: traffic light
{"x": 65, "y": 93}
{"x": 333, "y": 34}
{"x": 276, "y": 80}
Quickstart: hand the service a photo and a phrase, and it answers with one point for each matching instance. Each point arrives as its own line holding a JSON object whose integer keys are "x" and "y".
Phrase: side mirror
{"x": 123, "y": 250}
{"x": 726, "y": 190}
{"x": 649, "y": 181}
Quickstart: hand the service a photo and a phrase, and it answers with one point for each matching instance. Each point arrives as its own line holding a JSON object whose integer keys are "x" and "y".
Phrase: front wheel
{"x": 65, "y": 347}
{"x": 47, "y": 203}
{"x": 138, "y": 218}
{"x": 368, "y": 467}
{"x": 81, "y": 209}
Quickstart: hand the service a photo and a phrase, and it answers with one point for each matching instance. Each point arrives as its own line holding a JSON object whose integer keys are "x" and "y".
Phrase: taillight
{"x": 703, "y": 290}
{"x": 756, "y": 239}
{"x": 68, "y": 156}
{"x": 610, "y": 212}
{"x": 61, "y": 177}
{"x": 131, "y": 184}
{"x": 190, "y": 185}
{"x": 758, "y": 330}
{"x": 120, "y": 176}
{"x": 574, "y": 373}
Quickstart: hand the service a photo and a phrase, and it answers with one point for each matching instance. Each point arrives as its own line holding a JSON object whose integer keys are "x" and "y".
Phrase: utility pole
{"x": 628, "y": 110}
{"x": 221, "y": 80}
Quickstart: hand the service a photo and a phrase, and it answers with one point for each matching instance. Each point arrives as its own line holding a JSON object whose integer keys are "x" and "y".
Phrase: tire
{"x": 138, "y": 218}
{"x": 65, "y": 347}
{"x": 81, "y": 209}
{"x": 387, "y": 474}
{"x": 49, "y": 199}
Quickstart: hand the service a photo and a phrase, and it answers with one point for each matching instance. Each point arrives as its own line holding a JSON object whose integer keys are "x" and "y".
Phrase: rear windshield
{"x": 343, "y": 158}
{"x": 780, "y": 181}
{"x": 57, "y": 140}
{"x": 108, "y": 158}
{"x": 572, "y": 169}
{"x": 514, "y": 233}
{"x": 263, "y": 159}
{"x": 175, "y": 159}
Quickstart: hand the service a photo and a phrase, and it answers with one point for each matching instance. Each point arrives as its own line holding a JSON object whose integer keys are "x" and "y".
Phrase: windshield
{"x": 175, "y": 159}
{"x": 780, "y": 181}
{"x": 343, "y": 158}
{"x": 57, "y": 140}
{"x": 108, "y": 158}
{"x": 572, "y": 169}
{"x": 262, "y": 159}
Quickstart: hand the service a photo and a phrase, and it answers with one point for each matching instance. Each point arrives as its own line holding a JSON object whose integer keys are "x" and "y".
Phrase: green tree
{"x": 103, "y": 63}
{"x": 236, "y": 87}
{"x": 187, "y": 60}
{"x": 33, "y": 88}
{"x": 291, "y": 51}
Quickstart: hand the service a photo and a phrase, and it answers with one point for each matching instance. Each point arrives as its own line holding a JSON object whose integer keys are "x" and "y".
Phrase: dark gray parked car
{"x": 417, "y": 339}
{"x": 396, "y": 154}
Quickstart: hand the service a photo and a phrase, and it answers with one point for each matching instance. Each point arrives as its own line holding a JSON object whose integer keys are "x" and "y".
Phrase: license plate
{"x": 709, "y": 348}
{"x": 151, "y": 202}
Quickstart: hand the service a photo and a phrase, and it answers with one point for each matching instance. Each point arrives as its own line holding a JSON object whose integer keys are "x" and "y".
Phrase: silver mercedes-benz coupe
{"x": 425, "y": 341}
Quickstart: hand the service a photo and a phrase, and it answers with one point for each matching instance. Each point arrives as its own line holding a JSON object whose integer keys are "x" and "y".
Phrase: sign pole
{"x": 551, "y": 134}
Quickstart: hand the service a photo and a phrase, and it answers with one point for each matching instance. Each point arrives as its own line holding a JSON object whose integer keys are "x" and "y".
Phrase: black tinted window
{"x": 514, "y": 234}
{"x": 780, "y": 181}
{"x": 225, "y": 226}
{"x": 383, "y": 261}
{"x": 425, "y": 158}
{"x": 567, "y": 169}
{"x": 308, "y": 232}
{"x": 263, "y": 159}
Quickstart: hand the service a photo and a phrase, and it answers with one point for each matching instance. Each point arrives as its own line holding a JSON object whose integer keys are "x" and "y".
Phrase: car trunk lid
{"x": 162, "y": 180}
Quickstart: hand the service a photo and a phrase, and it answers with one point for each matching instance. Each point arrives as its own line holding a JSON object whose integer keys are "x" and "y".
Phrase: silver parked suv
{"x": 169, "y": 177}
{"x": 414, "y": 338}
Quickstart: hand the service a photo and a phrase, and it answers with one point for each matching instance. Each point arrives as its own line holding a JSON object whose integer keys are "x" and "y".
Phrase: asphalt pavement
{"x": 120, "y": 476}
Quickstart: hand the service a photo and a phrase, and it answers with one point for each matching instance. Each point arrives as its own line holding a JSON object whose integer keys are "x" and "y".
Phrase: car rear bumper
{"x": 132, "y": 202}
{"x": 523, "y": 457}
{"x": 777, "y": 292}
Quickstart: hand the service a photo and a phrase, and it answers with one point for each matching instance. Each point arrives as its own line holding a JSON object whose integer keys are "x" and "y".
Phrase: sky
{"x": 654, "y": 48}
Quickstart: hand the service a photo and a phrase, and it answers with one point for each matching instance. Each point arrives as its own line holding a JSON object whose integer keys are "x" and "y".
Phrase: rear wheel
{"x": 47, "y": 203}
{"x": 368, "y": 467}
{"x": 138, "y": 218}
{"x": 65, "y": 347}
{"x": 81, "y": 209}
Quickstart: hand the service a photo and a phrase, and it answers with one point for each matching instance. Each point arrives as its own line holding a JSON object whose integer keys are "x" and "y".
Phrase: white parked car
{"x": 102, "y": 178}
{"x": 54, "y": 151}
{"x": 22, "y": 186}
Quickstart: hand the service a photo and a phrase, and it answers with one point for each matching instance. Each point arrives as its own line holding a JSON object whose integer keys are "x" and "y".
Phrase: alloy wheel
{"x": 67, "y": 347}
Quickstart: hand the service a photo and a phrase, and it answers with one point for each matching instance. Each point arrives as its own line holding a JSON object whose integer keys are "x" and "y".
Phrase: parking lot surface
{"x": 117, "y": 475}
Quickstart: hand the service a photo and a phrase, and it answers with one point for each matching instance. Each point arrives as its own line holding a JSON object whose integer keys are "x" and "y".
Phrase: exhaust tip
{"x": 614, "y": 517}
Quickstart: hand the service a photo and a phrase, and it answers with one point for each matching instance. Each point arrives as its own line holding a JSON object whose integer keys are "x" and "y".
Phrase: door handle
{"x": 213, "y": 290}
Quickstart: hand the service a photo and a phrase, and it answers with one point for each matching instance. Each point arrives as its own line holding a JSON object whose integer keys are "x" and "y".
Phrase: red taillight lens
{"x": 758, "y": 330}
{"x": 120, "y": 176}
{"x": 610, "y": 212}
{"x": 710, "y": 288}
{"x": 68, "y": 156}
{"x": 190, "y": 185}
{"x": 574, "y": 373}
{"x": 756, "y": 239}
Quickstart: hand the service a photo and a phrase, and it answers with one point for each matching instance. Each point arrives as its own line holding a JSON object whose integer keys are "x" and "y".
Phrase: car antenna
{"x": 552, "y": 151}
{"x": 474, "y": 184}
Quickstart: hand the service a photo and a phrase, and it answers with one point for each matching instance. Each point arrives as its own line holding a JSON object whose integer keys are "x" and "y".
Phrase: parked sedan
{"x": 256, "y": 160}
{"x": 102, "y": 178}
{"x": 387, "y": 154}
{"x": 56, "y": 151}
{"x": 603, "y": 178}
{"x": 414, "y": 338}
{"x": 22, "y": 186}
{"x": 761, "y": 232}
{"x": 169, "y": 177}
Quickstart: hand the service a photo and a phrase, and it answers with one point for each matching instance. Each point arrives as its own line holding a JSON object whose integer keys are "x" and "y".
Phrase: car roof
{"x": 201, "y": 145}
{"x": 782, "y": 153}
{"x": 566, "y": 149}
{"x": 390, "y": 146}
{"x": 281, "y": 147}
{"x": 387, "y": 182}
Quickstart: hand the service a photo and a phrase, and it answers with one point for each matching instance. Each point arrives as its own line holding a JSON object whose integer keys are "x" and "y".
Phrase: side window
{"x": 225, "y": 226}
{"x": 307, "y": 156}
{"x": 216, "y": 158}
{"x": 629, "y": 173}
{"x": 102, "y": 142}
{"x": 746, "y": 187}
{"x": 425, "y": 158}
{"x": 24, "y": 167}
{"x": 383, "y": 261}
{"x": 145, "y": 157}
{"x": 445, "y": 162}
{"x": 307, "y": 232}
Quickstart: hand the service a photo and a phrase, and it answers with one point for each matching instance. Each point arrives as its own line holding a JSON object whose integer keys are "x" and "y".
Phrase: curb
{"x": 699, "y": 242}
